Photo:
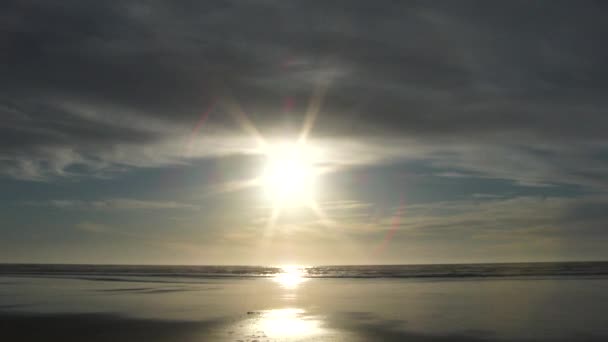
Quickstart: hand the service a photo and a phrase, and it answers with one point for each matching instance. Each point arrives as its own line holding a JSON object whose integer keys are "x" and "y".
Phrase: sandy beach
{"x": 285, "y": 308}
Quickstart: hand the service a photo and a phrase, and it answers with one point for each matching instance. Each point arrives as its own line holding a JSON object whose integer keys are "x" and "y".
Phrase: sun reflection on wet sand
{"x": 285, "y": 323}
{"x": 290, "y": 277}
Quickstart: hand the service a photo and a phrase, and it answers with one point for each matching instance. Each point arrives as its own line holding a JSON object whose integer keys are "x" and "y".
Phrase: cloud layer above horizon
{"x": 474, "y": 110}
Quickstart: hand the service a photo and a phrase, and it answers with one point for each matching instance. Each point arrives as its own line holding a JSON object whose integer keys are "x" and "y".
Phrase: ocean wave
{"x": 194, "y": 273}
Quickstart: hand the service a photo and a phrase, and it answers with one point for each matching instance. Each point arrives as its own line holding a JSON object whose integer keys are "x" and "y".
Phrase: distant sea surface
{"x": 117, "y": 272}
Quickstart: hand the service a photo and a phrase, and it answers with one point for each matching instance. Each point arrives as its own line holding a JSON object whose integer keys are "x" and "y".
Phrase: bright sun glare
{"x": 289, "y": 323}
{"x": 290, "y": 277}
{"x": 289, "y": 175}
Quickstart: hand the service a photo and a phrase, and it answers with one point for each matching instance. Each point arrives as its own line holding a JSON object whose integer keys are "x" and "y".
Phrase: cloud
{"x": 513, "y": 91}
{"x": 142, "y": 239}
{"x": 91, "y": 227}
{"x": 508, "y": 218}
{"x": 115, "y": 204}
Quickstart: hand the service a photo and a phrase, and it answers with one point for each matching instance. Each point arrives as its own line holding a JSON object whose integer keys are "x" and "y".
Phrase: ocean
{"x": 565, "y": 301}
{"x": 175, "y": 272}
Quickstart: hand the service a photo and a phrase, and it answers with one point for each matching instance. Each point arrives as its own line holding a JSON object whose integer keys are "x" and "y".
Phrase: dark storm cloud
{"x": 82, "y": 80}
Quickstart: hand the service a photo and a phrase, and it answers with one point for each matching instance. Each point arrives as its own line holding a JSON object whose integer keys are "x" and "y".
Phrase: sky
{"x": 143, "y": 132}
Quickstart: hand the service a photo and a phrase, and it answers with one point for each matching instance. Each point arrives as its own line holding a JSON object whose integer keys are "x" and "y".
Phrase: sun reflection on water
{"x": 291, "y": 276}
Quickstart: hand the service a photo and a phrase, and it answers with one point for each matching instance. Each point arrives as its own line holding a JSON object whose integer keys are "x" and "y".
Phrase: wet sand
{"x": 35, "y": 309}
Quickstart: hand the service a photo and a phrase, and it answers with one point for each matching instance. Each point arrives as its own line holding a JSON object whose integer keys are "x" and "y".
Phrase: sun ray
{"x": 320, "y": 213}
{"x": 243, "y": 120}
{"x": 290, "y": 174}
{"x": 272, "y": 220}
{"x": 314, "y": 106}
{"x": 234, "y": 186}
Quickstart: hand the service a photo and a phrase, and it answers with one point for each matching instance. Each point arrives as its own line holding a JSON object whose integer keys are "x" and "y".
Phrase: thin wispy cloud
{"x": 102, "y": 105}
{"x": 115, "y": 204}
{"x": 466, "y": 119}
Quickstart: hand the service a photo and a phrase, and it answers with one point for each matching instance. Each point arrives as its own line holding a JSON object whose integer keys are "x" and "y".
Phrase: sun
{"x": 290, "y": 173}
{"x": 289, "y": 176}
